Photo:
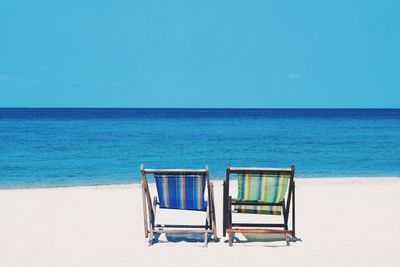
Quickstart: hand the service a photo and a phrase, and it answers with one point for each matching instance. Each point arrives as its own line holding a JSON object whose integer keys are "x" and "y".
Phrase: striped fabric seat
{"x": 181, "y": 191}
{"x": 264, "y": 187}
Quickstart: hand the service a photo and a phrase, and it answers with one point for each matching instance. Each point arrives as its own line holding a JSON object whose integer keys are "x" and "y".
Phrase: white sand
{"x": 342, "y": 222}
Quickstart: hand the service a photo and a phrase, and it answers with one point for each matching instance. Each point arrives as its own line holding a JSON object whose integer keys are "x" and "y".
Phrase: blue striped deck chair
{"x": 261, "y": 191}
{"x": 178, "y": 189}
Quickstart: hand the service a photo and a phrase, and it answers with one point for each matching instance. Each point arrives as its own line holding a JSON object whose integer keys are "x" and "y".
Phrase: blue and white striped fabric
{"x": 181, "y": 191}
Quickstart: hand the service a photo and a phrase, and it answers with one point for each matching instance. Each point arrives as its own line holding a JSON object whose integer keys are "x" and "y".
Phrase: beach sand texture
{"x": 342, "y": 222}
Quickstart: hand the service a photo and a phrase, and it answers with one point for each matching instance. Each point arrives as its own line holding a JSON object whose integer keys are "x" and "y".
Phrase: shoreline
{"x": 346, "y": 179}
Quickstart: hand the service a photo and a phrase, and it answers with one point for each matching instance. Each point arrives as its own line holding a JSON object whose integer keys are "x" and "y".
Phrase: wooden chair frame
{"x": 288, "y": 204}
{"x": 149, "y": 208}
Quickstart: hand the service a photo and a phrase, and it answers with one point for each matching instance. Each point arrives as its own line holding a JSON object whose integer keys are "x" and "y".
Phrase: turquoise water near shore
{"x": 58, "y": 147}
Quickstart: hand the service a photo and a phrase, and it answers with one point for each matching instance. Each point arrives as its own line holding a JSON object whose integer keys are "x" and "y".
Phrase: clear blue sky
{"x": 266, "y": 53}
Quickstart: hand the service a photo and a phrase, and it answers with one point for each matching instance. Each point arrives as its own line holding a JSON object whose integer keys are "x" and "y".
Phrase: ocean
{"x": 63, "y": 147}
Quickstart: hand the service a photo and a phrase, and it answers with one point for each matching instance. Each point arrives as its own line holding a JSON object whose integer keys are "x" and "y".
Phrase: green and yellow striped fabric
{"x": 263, "y": 187}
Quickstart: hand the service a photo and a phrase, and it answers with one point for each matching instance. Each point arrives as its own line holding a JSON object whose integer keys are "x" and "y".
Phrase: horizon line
{"x": 199, "y": 108}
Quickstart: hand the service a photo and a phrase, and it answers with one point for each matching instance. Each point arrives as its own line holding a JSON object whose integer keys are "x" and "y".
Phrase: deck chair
{"x": 179, "y": 189}
{"x": 263, "y": 191}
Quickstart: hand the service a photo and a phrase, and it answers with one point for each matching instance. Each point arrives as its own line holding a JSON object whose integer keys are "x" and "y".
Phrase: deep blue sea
{"x": 58, "y": 147}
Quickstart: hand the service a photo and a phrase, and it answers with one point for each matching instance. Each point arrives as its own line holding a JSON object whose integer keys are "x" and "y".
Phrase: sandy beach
{"x": 341, "y": 222}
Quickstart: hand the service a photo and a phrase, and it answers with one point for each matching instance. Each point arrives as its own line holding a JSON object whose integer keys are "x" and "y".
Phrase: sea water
{"x": 59, "y": 147}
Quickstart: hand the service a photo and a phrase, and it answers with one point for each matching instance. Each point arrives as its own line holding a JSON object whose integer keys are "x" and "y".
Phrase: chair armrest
{"x": 230, "y": 204}
{"x": 155, "y": 203}
{"x": 211, "y": 192}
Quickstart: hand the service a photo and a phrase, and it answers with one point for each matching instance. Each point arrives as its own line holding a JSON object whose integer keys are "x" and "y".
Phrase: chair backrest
{"x": 264, "y": 186}
{"x": 178, "y": 188}
{"x": 260, "y": 185}
{"x": 181, "y": 191}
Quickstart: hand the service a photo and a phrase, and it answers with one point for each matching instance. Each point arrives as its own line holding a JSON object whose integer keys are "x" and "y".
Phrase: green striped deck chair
{"x": 178, "y": 189}
{"x": 262, "y": 191}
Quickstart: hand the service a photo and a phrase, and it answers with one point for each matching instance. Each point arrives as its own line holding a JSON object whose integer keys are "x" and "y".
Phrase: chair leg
{"x": 146, "y": 227}
{"x": 205, "y": 239}
{"x": 287, "y": 240}
{"x": 150, "y": 238}
{"x": 230, "y": 239}
{"x": 215, "y": 235}
{"x": 208, "y": 219}
{"x": 213, "y": 220}
{"x": 224, "y": 223}
{"x": 293, "y": 212}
